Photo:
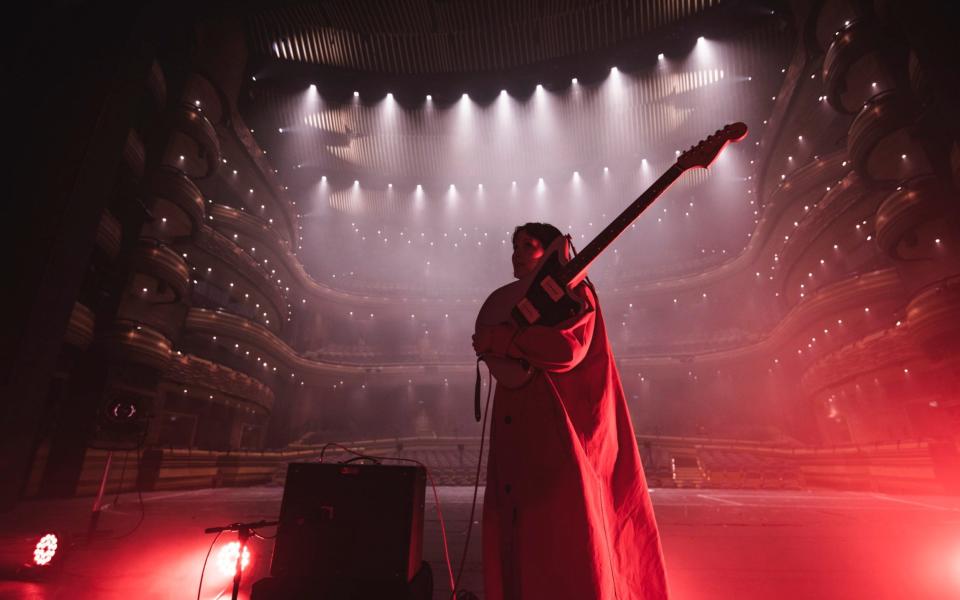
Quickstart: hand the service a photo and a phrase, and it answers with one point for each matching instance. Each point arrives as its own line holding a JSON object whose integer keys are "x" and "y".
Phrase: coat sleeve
{"x": 561, "y": 347}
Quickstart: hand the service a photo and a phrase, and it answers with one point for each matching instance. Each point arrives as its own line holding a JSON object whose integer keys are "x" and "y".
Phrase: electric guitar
{"x": 544, "y": 296}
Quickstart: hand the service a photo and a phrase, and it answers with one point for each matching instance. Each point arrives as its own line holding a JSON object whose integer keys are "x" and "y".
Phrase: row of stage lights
{"x": 661, "y": 58}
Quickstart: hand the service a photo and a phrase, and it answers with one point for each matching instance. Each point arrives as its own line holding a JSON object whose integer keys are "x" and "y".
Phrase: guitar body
{"x": 530, "y": 300}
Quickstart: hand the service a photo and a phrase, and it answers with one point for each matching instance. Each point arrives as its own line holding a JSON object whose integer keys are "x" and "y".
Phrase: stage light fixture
{"x": 227, "y": 559}
{"x": 45, "y": 549}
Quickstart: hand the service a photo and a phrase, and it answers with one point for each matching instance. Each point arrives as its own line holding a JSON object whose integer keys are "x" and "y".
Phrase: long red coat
{"x": 566, "y": 514}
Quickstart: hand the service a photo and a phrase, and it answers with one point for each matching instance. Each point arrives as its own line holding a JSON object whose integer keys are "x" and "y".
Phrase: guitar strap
{"x": 573, "y": 250}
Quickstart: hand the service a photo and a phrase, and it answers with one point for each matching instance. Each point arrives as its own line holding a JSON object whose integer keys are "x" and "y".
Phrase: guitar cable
{"x": 476, "y": 481}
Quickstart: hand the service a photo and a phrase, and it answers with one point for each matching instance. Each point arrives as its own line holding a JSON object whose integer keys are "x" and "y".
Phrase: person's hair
{"x": 545, "y": 233}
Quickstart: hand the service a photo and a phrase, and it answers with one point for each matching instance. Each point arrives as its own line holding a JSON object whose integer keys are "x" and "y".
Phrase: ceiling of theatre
{"x": 450, "y": 36}
{"x": 493, "y": 149}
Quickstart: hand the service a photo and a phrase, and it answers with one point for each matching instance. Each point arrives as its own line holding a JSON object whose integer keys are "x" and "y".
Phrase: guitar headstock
{"x": 704, "y": 153}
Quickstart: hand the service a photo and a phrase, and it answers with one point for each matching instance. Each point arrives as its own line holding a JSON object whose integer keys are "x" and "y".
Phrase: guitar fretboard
{"x": 574, "y": 270}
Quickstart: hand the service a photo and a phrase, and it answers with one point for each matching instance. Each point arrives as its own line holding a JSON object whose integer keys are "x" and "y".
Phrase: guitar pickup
{"x": 552, "y": 288}
{"x": 529, "y": 311}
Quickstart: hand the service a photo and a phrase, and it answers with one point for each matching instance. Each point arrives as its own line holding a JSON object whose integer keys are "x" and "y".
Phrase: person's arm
{"x": 558, "y": 348}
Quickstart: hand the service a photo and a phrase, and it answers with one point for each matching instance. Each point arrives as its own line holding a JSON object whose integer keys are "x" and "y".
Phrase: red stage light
{"x": 45, "y": 549}
{"x": 227, "y": 559}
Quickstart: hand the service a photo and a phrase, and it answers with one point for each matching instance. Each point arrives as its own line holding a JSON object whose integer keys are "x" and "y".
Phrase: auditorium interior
{"x": 255, "y": 234}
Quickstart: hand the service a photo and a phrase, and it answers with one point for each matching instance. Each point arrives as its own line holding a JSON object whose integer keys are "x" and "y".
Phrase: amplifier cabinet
{"x": 350, "y": 522}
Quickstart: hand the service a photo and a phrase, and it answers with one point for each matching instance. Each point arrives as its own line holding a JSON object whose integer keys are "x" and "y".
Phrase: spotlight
{"x": 45, "y": 550}
{"x": 227, "y": 559}
{"x": 660, "y": 56}
{"x": 30, "y": 556}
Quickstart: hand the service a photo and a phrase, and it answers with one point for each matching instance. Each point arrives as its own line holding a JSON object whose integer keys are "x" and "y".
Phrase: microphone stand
{"x": 244, "y": 531}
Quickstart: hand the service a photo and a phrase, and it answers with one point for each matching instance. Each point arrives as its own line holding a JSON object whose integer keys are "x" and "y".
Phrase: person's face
{"x": 527, "y": 252}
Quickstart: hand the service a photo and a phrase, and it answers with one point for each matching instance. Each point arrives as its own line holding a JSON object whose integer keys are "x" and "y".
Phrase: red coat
{"x": 566, "y": 514}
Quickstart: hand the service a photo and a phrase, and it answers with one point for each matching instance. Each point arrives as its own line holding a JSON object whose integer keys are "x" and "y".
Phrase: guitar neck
{"x": 575, "y": 270}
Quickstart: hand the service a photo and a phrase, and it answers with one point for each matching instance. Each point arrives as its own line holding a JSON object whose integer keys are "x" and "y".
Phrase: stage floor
{"x": 719, "y": 544}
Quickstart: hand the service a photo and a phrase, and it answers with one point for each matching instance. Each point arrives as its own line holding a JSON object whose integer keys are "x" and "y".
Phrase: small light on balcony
{"x": 906, "y": 370}
{"x": 867, "y": 309}
{"x": 903, "y": 156}
{"x": 182, "y": 157}
{"x": 163, "y": 219}
{"x": 936, "y": 241}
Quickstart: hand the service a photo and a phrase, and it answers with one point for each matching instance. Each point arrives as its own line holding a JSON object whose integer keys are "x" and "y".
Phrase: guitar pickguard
{"x": 548, "y": 306}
